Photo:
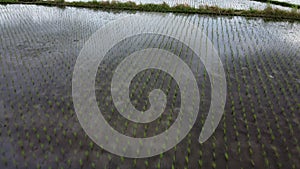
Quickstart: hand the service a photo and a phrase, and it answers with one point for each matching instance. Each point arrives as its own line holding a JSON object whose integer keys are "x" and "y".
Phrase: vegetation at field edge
{"x": 269, "y": 12}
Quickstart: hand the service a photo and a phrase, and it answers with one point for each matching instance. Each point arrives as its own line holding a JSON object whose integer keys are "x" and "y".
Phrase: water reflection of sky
{"x": 75, "y": 19}
{"x": 21, "y": 14}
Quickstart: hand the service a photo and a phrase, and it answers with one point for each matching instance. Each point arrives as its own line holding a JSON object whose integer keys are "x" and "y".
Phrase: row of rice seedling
{"x": 232, "y": 96}
{"x": 220, "y": 38}
{"x": 268, "y": 98}
{"x": 251, "y": 68}
{"x": 282, "y": 66}
{"x": 251, "y": 110}
{"x": 255, "y": 117}
{"x": 271, "y": 70}
{"x": 218, "y": 151}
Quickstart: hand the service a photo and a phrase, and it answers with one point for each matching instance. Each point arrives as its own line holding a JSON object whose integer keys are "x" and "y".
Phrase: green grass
{"x": 8, "y": 1}
{"x": 214, "y": 10}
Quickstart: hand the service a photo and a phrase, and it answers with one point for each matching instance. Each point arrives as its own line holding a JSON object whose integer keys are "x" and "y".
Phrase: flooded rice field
{"x": 39, "y": 127}
{"x": 297, "y": 2}
{"x": 234, "y": 4}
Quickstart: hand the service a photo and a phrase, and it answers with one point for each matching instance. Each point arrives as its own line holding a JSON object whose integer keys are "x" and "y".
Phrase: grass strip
{"x": 268, "y": 12}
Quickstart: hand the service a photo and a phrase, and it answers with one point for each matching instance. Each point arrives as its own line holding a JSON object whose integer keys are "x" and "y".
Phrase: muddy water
{"x": 38, "y": 125}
